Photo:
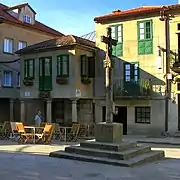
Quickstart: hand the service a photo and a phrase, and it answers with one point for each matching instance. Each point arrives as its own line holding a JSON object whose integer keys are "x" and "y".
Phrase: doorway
{"x": 178, "y": 112}
{"x": 120, "y": 117}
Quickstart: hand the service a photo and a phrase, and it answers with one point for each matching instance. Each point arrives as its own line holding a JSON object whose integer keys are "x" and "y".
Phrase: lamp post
{"x": 1, "y": 19}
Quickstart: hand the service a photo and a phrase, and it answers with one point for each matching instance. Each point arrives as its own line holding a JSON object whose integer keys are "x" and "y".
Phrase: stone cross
{"x": 108, "y": 66}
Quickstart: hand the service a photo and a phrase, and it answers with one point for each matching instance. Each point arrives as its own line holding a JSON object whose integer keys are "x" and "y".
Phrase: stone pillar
{"x": 11, "y": 109}
{"x": 74, "y": 111}
{"x": 22, "y": 110}
{"x": 49, "y": 110}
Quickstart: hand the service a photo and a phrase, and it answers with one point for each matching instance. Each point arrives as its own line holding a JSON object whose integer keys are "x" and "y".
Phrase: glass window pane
{"x": 127, "y": 66}
{"x": 113, "y": 29}
{"x": 141, "y": 31}
{"x": 127, "y": 78}
{"x": 127, "y": 73}
{"x": 64, "y": 65}
{"x": 141, "y": 25}
{"x": 119, "y": 39}
{"x": 47, "y": 67}
{"x": 141, "y": 36}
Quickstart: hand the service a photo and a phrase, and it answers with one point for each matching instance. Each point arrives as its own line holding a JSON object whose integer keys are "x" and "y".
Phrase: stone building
{"x": 140, "y": 69}
{"x": 60, "y": 80}
{"x": 18, "y": 30}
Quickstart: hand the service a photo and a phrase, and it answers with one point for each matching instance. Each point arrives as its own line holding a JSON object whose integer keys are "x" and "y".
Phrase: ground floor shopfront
{"x": 141, "y": 116}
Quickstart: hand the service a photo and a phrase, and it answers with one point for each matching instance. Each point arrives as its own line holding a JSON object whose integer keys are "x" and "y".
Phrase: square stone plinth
{"x": 109, "y": 132}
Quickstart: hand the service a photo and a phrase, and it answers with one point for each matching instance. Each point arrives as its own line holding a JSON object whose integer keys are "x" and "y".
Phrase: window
{"x": 178, "y": 26}
{"x": 21, "y": 45}
{"x": 145, "y": 37}
{"x": 117, "y": 33}
{"x": 142, "y": 115}
{"x": 63, "y": 65}
{"x": 7, "y": 79}
{"x": 8, "y": 45}
{"x": 29, "y": 68}
{"x": 27, "y": 19}
{"x": 18, "y": 80}
{"x": 84, "y": 66}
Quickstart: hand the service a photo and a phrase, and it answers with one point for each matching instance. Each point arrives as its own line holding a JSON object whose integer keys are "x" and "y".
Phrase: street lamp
{"x": 1, "y": 19}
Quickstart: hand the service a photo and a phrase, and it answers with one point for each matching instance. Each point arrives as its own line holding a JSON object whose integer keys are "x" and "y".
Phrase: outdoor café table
{"x": 34, "y": 131}
{"x": 65, "y": 129}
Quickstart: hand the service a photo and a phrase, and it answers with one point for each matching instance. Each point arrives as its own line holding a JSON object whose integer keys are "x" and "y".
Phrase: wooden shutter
{"x": 47, "y": 74}
{"x": 91, "y": 67}
{"x": 41, "y": 78}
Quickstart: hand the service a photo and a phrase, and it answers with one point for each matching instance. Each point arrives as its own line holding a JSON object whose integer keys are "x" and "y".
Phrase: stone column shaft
{"x": 74, "y": 111}
{"x": 49, "y": 111}
{"x": 22, "y": 113}
{"x": 11, "y": 104}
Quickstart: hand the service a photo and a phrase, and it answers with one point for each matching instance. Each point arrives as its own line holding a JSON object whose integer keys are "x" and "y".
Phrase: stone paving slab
{"x": 37, "y": 167}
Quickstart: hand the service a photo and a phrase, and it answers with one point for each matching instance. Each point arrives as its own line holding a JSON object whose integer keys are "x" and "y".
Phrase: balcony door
{"x": 45, "y": 74}
{"x": 131, "y": 78}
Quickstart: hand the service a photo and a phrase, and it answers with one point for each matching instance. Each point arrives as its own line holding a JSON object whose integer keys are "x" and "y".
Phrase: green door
{"x": 45, "y": 74}
{"x": 131, "y": 79}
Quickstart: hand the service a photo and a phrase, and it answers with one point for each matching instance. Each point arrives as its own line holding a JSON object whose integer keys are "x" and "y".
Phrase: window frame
{"x": 27, "y": 64}
{"x": 22, "y": 43}
{"x": 9, "y": 40}
{"x": 18, "y": 79}
{"x": 147, "y": 118}
{"x": 151, "y": 30}
{"x": 26, "y": 18}
{"x": 116, "y": 36}
{"x": 11, "y": 75}
{"x": 84, "y": 66}
{"x": 60, "y": 65}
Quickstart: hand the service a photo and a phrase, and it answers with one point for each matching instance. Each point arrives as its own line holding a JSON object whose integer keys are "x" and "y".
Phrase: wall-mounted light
{"x": 159, "y": 59}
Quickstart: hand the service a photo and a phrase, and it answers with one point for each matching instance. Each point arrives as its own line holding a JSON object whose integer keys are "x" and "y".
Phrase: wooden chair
{"x": 24, "y": 137}
{"x": 58, "y": 135}
{"x": 83, "y": 131}
{"x": 73, "y": 135}
{"x": 15, "y": 135}
{"x": 46, "y": 136}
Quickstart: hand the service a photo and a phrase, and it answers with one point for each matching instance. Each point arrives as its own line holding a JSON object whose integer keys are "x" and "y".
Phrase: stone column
{"x": 49, "y": 110}
{"x": 22, "y": 110}
{"x": 11, "y": 109}
{"x": 74, "y": 111}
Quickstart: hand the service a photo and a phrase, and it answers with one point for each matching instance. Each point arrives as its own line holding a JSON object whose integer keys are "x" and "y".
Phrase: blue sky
{"x": 76, "y": 16}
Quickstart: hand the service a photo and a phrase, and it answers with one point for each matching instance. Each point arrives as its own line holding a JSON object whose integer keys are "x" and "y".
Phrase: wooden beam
{"x": 106, "y": 40}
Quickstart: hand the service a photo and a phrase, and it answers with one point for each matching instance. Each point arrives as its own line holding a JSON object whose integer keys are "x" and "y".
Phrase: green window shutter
{"x": 84, "y": 66}
{"x": 41, "y": 79}
{"x": 91, "y": 67}
{"x": 58, "y": 65}
{"x": 47, "y": 74}
{"x": 25, "y": 69}
{"x": 145, "y": 45}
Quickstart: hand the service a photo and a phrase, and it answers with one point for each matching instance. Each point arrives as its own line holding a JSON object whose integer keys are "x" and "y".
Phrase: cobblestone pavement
{"x": 40, "y": 167}
{"x": 26, "y": 165}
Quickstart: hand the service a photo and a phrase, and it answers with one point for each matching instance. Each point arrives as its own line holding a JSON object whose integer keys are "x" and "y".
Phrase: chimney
{"x": 118, "y": 10}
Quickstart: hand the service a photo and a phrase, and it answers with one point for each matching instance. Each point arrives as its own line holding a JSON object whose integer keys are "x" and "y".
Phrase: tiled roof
{"x": 61, "y": 42}
{"x": 90, "y": 36}
{"x": 20, "y": 6}
{"x": 37, "y": 26}
{"x": 134, "y": 12}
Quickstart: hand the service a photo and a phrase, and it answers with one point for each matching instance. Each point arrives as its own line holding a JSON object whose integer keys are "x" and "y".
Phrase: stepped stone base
{"x": 120, "y": 154}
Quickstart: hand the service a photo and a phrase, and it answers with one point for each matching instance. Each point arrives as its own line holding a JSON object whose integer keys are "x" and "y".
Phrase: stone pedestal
{"x": 108, "y": 132}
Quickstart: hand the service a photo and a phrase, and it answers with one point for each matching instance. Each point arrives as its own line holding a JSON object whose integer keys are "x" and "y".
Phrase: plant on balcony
{"x": 85, "y": 80}
{"x": 44, "y": 94}
{"x": 28, "y": 81}
{"x": 61, "y": 80}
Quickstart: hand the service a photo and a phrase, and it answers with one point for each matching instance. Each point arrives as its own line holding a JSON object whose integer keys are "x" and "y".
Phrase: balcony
{"x": 132, "y": 89}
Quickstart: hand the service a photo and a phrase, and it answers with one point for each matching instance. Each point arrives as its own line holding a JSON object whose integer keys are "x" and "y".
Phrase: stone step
{"x": 109, "y": 146}
{"x": 123, "y": 155}
{"x": 149, "y": 157}
{"x": 177, "y": 134}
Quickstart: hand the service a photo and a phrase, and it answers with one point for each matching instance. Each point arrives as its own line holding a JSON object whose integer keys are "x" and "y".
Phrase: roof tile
{"x": 37, "y": 26}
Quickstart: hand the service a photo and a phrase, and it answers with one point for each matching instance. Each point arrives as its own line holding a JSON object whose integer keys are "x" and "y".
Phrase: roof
{"x": 90, "y": 36}
{"x": 36, "y": 26}
{"x": 21, "y": 6}
{"x": 135, "y": 11}
{"x": 61, "y": 42}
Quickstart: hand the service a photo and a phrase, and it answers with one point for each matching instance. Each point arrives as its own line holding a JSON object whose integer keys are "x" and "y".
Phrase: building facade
{"x": 58, "y": 79}
{"x": 18, "y": 30}
{"x": 139, "y": 74}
